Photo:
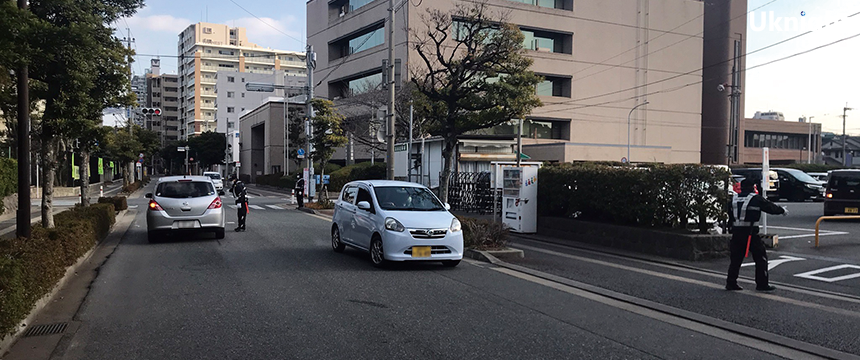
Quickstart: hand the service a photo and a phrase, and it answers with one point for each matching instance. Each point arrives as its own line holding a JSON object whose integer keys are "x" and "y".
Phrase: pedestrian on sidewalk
{"x": 300, "y": 191}
{"x": 240, "y": 193}
{"x": 744, "y": 214}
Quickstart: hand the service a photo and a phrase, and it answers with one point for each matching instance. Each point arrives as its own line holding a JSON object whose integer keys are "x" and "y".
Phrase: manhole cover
{"x": 40, "y": 330}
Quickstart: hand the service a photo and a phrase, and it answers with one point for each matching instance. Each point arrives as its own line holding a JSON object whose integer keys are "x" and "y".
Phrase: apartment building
{"x": 599, "y": 59}
{"x": 138, "y": 87}
{"x": 233, "y": 100}
{"x": 204, "y": 49}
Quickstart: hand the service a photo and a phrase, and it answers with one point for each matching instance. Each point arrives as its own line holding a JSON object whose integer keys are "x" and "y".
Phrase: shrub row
{"x": 483, "y": 234}
{"x": 29, "y": 269}
{"x": 360, "y": 171}
{"x": 8, "y": 179}
{"x": 651, "y": 196}
{"x": 119, "y": 202}
{"x": 277, "y": 180}
{"x": 130, "y": 188}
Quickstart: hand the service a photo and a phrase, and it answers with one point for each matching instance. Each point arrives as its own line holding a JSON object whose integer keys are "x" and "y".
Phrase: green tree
{"x": 173, "y": 159}
{"x": 121, "y": 146}
{"x": 471, "y": 74}
{"x": 209, "y": 148}
{"x": 328, "y": 133}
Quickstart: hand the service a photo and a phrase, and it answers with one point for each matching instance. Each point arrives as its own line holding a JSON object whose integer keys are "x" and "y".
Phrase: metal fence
{"x": 472, "y": 192}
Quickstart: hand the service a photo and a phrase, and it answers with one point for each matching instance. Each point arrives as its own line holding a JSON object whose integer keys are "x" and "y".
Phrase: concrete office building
{"x": 233, "y": 100}
{"x": 261, "y": 134}
{"x": 162, "y": 92}
{"x": 599, "y": 59}
{"x": 788, "y": 141}
{"x": 204, "y": 49}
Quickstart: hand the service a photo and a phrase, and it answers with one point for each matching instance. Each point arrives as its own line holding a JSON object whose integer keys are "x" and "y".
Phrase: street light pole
{"x": 844, "y": 137}
{"x": 809, "y": 140}
{"x": 391, "y": 84}
{"x": 628, "y": 129}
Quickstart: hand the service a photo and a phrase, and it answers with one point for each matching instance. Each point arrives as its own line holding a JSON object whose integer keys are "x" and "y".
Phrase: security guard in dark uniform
{"x": 744, "y": 215}
{"x": 300, "y": 191}
{"x": 241, "y": 195}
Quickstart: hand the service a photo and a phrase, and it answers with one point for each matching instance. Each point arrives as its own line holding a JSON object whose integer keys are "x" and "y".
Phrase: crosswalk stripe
{"x": 233, "y": 206}
{"x": 255, "y": 207}
{"x": 275, "y": 207}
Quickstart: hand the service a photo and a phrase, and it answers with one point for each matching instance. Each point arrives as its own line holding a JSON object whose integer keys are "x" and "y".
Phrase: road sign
{"x": 326, "y": 179}
{"x": 238, "y": 164}
{"x": 301, "y": 153}
{"x": 181, "y": 148}
{"x": 140, "y": 155}
{"x": 624, "y": 160}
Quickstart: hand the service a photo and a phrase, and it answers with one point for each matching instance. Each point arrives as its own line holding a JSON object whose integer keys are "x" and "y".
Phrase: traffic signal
{"x": 151, "y": 111}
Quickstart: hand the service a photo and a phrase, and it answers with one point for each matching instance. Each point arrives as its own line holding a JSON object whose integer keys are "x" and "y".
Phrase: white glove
{"x": 786, "y": 211}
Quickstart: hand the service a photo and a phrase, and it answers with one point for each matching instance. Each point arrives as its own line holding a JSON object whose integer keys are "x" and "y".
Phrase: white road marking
{"x": 132, "y": 206}
{"x": 256, "y": 207}
{"x": 274, "y": 207}
{"x": 231, "y": 222}
{"x": 234, "y": 207}
{"x": 774, "y": 263}
{"x": 812, "y": 274}
{"x": 813, "y": 235}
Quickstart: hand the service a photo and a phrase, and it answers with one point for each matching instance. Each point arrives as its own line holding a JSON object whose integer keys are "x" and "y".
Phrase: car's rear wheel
{"x": 336, "y": 244}
{"x": 377, "y": 254}
{"x": 219, "y": 234}
{"x": 450, "y": 263}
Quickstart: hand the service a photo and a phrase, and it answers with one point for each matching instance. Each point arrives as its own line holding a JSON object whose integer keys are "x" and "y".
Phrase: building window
{"x": 231, "y": 110}
{"x": 358, "y": 42}
{"x": 226, "y": 66}
{"x": 231, "y": 79}
{"x": 553, "y": 86}
{"x": 230, "y": 94}
{"x": 226, "y": 52}
{"x": 547, "y": 41}
{"x": 753, "y": 139}
{"x": 537, "y": 129}
{"x": 356, "y": 86}
{"x": 230, "y": 125}
{"x": 552, "y": 4}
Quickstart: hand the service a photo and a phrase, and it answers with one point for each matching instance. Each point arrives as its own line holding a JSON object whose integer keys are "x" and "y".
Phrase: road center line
{"x": 699, "y": 282}
{"x": 709, "y": 330}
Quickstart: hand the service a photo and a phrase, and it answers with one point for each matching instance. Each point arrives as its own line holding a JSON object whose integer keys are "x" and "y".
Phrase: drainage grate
{"x": 41, "y": 330}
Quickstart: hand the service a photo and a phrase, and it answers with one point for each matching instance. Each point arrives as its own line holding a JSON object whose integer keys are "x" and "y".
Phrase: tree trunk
{"x": 448, "y": 160}
{"x": 49, "y": 164}
{"x": 84, "y": 170}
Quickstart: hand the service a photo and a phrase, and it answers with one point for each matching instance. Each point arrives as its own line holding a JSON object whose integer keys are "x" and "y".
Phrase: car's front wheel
{"x": 336, "y": 244}
{"x": 377, "y": 255}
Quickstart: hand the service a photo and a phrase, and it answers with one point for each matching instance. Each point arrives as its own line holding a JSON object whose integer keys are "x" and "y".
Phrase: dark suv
{"x": 843, "y": 193}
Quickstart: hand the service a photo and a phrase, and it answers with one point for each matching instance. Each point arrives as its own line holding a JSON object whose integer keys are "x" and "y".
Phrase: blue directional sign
{"x": 300, "y": 152}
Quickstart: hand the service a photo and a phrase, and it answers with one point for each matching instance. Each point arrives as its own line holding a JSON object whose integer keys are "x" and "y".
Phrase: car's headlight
{"x": 393, "y": 225}
{"x": 455, "y": 225}
{"x": 813, "y": 186}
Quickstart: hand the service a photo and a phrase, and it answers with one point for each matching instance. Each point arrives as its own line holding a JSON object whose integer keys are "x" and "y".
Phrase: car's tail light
{"x": 829, "y": 195}
{"x": 154, "y": 206}
{"x": 216, "y": 204}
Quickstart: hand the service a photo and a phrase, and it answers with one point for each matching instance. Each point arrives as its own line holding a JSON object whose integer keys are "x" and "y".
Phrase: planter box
{"x": 669, "y": 244}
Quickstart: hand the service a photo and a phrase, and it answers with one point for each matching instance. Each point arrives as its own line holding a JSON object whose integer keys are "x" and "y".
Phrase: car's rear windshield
{"x": 184, "y": 189}
{"x": 845, "y": 179}
{"x": 214, "y": 176}
{"x": 407, "y": 198}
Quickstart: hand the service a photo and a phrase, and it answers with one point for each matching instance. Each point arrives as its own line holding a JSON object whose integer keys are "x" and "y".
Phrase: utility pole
{"x": 734, "y": 139}
{"x": 128, "y": 40}
{"x": 391, "y": 83}
{"x": 23, "y": 216}
{"x": 310, "y": 59}
{"x": 845, "y": 137}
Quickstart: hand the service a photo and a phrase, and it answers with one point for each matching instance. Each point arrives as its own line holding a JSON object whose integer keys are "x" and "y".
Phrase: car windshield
{"x": 184, "y": 189}
{"x": 407, "y": 198}
{"x": 802, "y": 176}
{"x": 214, "y": 176}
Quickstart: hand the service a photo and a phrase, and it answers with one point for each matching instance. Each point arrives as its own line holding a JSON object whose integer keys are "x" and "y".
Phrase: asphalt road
{"x": 278, "y": 291}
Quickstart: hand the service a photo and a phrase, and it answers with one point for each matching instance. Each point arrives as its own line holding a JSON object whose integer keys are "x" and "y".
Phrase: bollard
{"x": 101, "y": 191}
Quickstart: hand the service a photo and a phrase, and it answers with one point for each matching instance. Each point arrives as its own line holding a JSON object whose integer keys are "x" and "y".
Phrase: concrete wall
{"x": 261, "y": 133}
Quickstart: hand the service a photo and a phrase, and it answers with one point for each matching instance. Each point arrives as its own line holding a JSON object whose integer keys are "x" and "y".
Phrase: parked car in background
{"x": 796, "y": 185}
{"x": 217, "y": 180}
{"x": 184, "y": 204}
{"x": 396, "y": 221}
{"x": 820, "y": 176}
{"x": 843, "y": 193}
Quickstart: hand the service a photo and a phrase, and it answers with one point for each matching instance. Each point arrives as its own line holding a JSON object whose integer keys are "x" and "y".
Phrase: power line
{"x": 269, "y": 25}
{"x": 660, "y": 49}
{"x": 701, "y": 81}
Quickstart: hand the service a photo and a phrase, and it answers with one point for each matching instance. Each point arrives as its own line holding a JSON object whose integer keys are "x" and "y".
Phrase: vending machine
{"x": 519, "y": 198}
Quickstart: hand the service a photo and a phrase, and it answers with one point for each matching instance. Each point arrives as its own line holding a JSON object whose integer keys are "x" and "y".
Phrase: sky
{"x": 816, "y": 84}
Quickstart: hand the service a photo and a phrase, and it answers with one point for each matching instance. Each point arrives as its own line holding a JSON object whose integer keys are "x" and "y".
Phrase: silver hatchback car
{"x": 184, "y": 204}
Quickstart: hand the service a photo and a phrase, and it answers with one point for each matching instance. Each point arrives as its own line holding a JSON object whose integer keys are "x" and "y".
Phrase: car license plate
{"x": 189, "y": 224}
{"x": 851, "y": 211}
{"x": 420, "y": 251}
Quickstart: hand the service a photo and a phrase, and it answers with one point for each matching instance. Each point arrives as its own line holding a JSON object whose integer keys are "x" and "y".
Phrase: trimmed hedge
{"x": 119, "y": 202}
{"x": 130, "y": 188}
{"x": 277, "y": 180}
{"x": 8, "y": 179}
{"x": 360, "y": 171}
{"x": 483, "y": 234}
{"x": 651, "y": 196}
{"x": 29, "y": 269}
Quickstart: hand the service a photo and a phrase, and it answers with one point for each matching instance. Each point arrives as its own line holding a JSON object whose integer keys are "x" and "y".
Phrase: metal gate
{"x": 471, "y": 192}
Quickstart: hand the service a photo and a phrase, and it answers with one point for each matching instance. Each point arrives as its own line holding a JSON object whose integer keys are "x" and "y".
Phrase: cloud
{"x": 158, "y": 23}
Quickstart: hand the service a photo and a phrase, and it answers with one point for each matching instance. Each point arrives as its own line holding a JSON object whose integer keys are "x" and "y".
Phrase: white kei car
{"x": 396, "y": 221}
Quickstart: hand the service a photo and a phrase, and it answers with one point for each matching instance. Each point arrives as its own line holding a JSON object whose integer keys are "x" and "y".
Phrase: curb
{"x": 308, "y": 210}
{"x": 9, "y": 341}
{"x": 493, "y": 256}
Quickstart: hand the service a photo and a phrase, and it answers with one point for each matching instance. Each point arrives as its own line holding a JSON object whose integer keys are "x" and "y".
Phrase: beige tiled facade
{"x": 206, "y": 48}
{"x": 604, "y": 57}
{"x": 788, "y": 141}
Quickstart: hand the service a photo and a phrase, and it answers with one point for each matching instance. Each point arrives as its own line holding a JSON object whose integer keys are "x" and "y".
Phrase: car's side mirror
{"x": 447, "y": 206}
{"x": 364, "y": 205}
{"x": 148, "y": 195}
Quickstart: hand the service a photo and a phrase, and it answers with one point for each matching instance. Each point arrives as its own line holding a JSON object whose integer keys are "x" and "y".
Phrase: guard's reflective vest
{"x": 743, "y": 212}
